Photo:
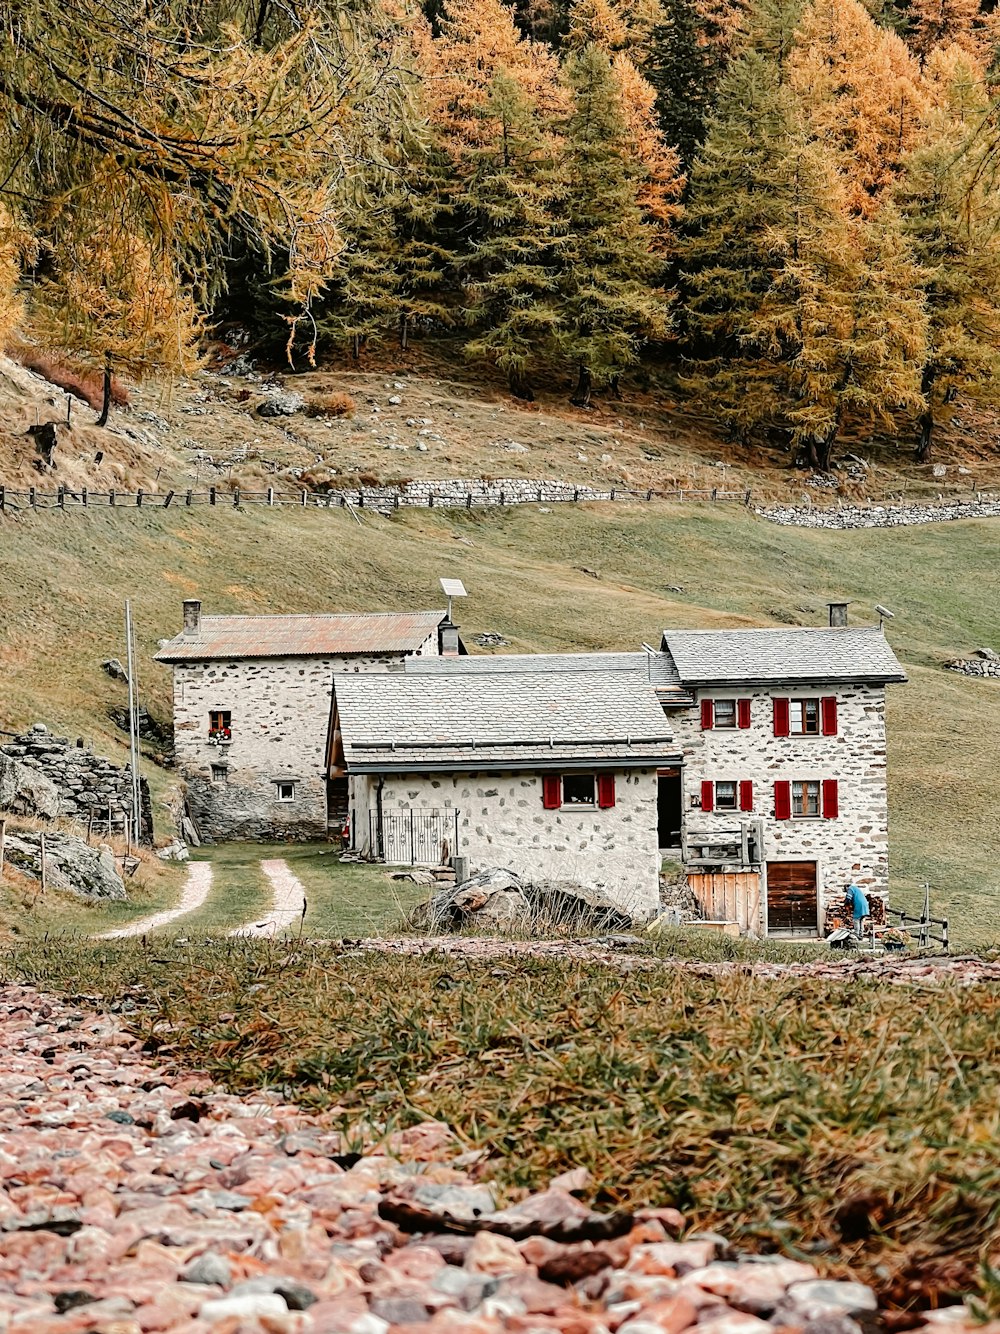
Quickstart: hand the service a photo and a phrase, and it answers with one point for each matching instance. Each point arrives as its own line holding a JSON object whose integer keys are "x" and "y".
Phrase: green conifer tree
{"x": 683, "y": 68}
{"x": 511, "y": 199}
{"x": 611, "y": 271}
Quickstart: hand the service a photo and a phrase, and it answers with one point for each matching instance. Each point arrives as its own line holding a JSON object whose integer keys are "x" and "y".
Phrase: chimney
{"x": 192, "y": 616}
{"x": 448, "y": 639}
{"x": 838, "y": 613}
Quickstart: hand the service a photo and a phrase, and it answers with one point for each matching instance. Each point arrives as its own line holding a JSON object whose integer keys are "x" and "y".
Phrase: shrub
{"x": 333, "y": 404}
{"x": 82, "y": 382}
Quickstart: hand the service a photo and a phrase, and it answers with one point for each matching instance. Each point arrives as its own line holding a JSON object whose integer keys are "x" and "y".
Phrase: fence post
{"x": 430, "y": 500}
{"x": 41, "y": 843}
{"x": 468, "y": 500}
{"x": 187, "y": 500}
{"x": 84, "y": 494}
{"x": 236, "y": 498}
{"x": 3, "y": 498}
{"x": 746, "y": 496}
{"x": 211, "y": 495}
{"x": 61, "y": 497}
{"x": 3, "y": 843}
{"x": 270, "y": 495}
{"x": 111, "y": 498}
{"x": 138, "y": 498}
{"x": 612, "y": 493}
{"x": 31, "y": 497}
{"x": 167, "y": 499}
{"x": 395, "y": 501}
{"x": 715, "y": 493}
{"x": 501, "y": 499}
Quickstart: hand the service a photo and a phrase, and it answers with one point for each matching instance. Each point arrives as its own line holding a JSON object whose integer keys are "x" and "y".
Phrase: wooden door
{"x": 792, "y": 905}
{"x": 729, "y": 897}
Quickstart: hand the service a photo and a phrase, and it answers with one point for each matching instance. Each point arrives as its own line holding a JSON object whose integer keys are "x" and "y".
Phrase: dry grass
{"x": 854, "y": 1123}
{"x": 334, "y": 403}
{"x": 82, "y": 382}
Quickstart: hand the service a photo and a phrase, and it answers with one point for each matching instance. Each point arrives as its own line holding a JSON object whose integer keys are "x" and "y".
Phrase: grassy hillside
{"x": 572, "y": 578}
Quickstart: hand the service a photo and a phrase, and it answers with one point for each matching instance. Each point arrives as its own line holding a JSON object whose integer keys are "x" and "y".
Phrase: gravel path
{"x": 135, "y": 1199}
{"x": 287, "y": 903}
{"x": 195, "y": 892}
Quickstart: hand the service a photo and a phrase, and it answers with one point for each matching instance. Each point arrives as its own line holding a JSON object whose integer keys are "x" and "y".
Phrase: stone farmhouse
{"x": 252, "y": 701}
{"x": 755, "y": 758}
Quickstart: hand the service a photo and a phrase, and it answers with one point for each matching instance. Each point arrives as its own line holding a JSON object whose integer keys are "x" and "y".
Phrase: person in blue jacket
{"x": 859, "y": 907}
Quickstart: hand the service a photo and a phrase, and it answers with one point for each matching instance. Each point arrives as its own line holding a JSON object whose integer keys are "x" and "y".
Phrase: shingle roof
{"x": 657, "y": 668}
{"x": 333, "y": 635}
{"x": 401, "y": 721}
{"x": 800, "y": 654}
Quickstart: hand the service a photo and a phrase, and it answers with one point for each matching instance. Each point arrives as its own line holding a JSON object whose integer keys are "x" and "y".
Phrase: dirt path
{"x": 287, "y": 903}
{"x": 195, "y": 892}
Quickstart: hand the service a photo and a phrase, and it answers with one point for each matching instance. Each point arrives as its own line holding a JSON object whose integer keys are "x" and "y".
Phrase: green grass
{"x": 855, "y": 1123}
{"x": 65, "y": 577}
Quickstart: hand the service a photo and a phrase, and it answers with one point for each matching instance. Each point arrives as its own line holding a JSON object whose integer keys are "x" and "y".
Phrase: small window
{"x": 805, "y": 799}
{"x": 220, "y": 725}
{"x": 803, "y": 717}
{"x": 579, "y": 790}
{"x": 725, "y": 796}
{"x": 286, "y": 791}
{"x": 220, "y": 774}
{"x": 725, "y": 713}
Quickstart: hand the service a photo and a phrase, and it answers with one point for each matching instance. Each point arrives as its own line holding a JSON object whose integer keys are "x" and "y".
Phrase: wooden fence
{"x": 383, "y": 499}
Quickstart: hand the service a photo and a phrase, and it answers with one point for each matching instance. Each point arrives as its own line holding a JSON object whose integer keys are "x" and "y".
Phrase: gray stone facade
{"x": 851, "y": 846}
{"x": 280, "y": 720}
{"x": 502, "y": 822}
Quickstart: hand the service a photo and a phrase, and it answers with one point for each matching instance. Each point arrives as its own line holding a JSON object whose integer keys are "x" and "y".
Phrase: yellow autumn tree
{"x": 861, "y": 94}
{"x": 17, "y": 251}
{"x": 940, "y": 23}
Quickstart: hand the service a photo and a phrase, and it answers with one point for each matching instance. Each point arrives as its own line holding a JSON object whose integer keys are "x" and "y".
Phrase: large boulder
{"x": 281, "y": 403}
{"x": 26, "y": 791}
{"x": 70, "y": 863}
{"x": 562, "y": 903}
{"x": 497, "y": 899}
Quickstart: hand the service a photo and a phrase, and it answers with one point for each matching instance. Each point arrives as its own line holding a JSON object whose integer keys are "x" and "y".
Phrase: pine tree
{"x": 682, "y": 68}
{"x": 862, "y": 96}
{"x": 514, "y": 194}
{"x": 362, "y": 297}
{"x": 950, "y": 217}
{"x": 612, "y": 303}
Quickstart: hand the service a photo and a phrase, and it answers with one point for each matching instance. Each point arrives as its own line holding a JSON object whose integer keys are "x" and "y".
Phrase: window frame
{"x": 729, "y": 783}
{"x": 281, "y": 783}
{"x": 590, "y": 805}
{"x": 220, "y": 724}
{"x": 806, "y": 814}
{"x": 718, "y": 703}
{"x": 801, "y": 703}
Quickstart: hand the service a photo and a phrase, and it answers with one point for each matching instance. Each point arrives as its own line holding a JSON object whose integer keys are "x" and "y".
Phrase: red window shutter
{"x": 746, "y": 795}
{"x": 783, "y": 799}
{"x": 707, "y": 714}
{"x": 743, "y": 713}
{"x": 828, "y": 714}
{"x": 605, "y": 791}
{"x": 831, "y": 799}
{"x": 551, "y": 792}
{"x": 707, "y": 796}
{"x": 782, "y": 723}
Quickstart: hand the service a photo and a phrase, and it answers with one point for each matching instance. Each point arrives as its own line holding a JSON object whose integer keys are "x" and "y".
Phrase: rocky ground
{"x": 136, "y": 1199}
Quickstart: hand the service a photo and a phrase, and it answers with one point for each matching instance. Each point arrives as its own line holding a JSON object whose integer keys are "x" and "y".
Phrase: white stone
{"x": 249, "y": 1305}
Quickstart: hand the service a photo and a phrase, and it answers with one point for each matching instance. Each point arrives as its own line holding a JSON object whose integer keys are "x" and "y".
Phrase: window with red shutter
{"x": 707, "y": 715}
{"x": 743, "y": 713}
{"x": 746, "y": 795}
{"x": 781, "y": 725}
{"x": 828, "y": 711}
{"x": 551, "y": 792}
{"x": 782, "y": 800}
{"x": 707, "y": 796}
{"x": 605, "y": 791}
{"x": 831, "y": 798}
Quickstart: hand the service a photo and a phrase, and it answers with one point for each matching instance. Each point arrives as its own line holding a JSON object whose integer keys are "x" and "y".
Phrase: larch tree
{"x": 941, "y": 23}
{"x": 862, "y": 95}
{"x": 948, "y": 203}
{"x": 514, "y": 193}
{"x": 174, "y": 135}
{"x": 612, "y": 303}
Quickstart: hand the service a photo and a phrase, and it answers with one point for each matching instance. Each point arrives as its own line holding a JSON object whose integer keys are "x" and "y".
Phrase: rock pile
{"x": 496, "y": 898}
{"x": 133, "y": 1200}
{"x": 46, "y": 775}
{"x": 985, "y": 662}
{"x": 70, "y": 863}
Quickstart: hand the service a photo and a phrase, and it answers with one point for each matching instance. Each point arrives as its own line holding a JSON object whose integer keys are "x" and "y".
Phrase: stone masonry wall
{"x": 879, "y": 516}
{"x": 84, "y": 781}
{"x": 852, "y": 846}
{"x": 502, "y": 823}
{"x": 280, "y": 711}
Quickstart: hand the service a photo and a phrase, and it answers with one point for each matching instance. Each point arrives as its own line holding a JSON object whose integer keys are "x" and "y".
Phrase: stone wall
{"x": 84, "y": 781}
{"x": 501, "y": 822}
{"x": 280, "y": 710}
{"x": 985, "y": 663}
{"x": 879, "y": 516}
{"x": 476, "y": 492}
{"x": 852, "y": 846}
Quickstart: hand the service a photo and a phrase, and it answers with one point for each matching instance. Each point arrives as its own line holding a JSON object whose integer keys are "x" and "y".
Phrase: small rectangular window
{"x": 220, "y": 774}
{"x": 725, "y": 796}
{"x": 725, "y": 713}
{"x": 805, "y": 799}
{"x": 579, "y": 790}
{"x": 803, "y": 717}
{"x": 220, "y": 725}
{"x": 286, "y": 791}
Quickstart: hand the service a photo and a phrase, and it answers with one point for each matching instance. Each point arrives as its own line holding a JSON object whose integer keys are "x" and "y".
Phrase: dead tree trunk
{"x": 520, "y": 386}
{"x": 925, "y": 421}
{"x": 106, "y": 403}
{"x": 584, "y": 388}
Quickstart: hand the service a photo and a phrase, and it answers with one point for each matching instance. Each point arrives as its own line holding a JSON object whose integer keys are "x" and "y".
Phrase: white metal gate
{"x": 415, "y": 838}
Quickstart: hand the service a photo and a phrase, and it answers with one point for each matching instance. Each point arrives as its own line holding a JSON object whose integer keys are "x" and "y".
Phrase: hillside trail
{"x": 288, "y": 902}
{"x": 194, "y": 894}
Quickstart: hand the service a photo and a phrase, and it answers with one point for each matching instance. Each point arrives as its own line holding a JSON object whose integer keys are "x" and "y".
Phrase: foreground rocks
{"x": 134, "y": 1200}
{"x": 70, "y": 863}
{"x": 496, "y": 898}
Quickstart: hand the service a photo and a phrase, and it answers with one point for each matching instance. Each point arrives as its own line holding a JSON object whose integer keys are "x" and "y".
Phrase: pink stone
{"x": 494, "y": 1255}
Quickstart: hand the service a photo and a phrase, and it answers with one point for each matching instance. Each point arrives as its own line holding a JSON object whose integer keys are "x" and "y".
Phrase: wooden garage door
{"x": 791, "y": 897}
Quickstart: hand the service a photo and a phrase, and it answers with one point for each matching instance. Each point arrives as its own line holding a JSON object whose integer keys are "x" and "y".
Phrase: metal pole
{"x": 133, "y": 721}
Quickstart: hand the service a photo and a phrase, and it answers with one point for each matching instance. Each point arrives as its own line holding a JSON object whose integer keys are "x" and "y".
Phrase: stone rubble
{"x": 135, "y": 1200}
